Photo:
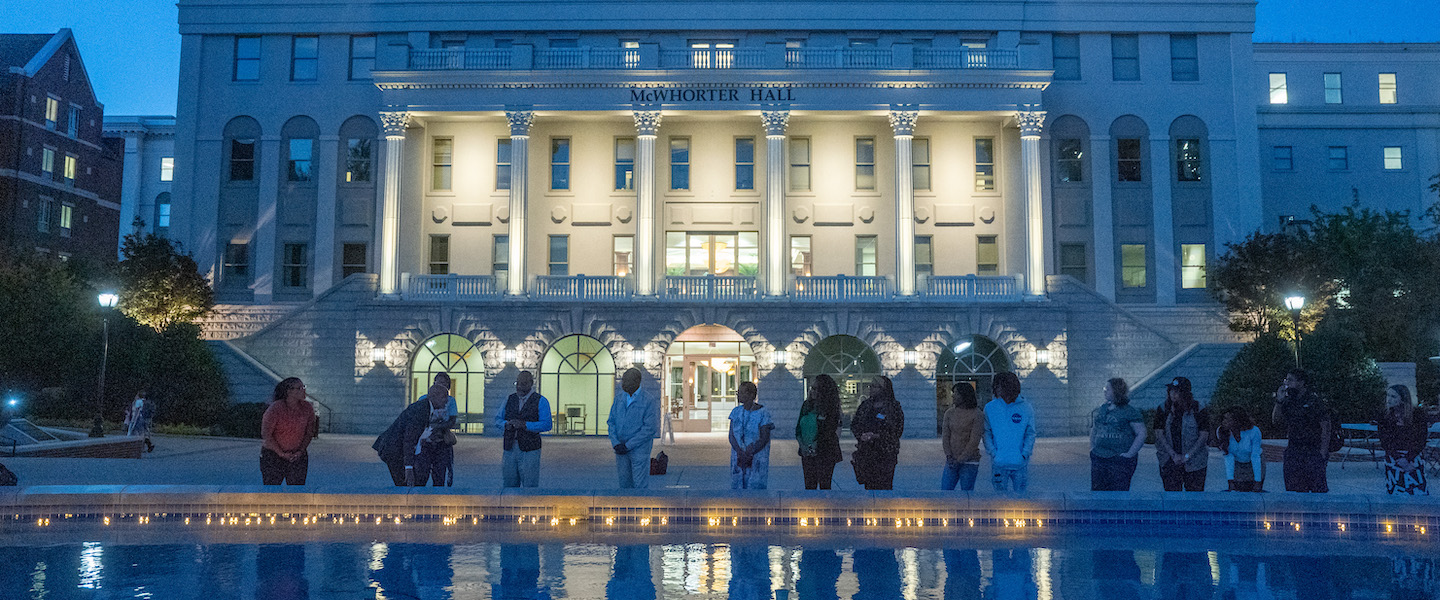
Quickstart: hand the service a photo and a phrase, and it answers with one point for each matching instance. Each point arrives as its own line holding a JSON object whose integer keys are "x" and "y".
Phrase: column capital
{"x": 902, "y": 119}
{"x": 1031, "y": 120}
{"x": 520, "y": 122}
{"x": 647, "y": 119}
{"x": 775, "y": 118}
{"x": 394, "y": 122}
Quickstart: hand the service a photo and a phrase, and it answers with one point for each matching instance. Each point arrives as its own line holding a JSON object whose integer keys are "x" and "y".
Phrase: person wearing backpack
{"x": 960, "y": 437}
{"x": 1307, "y": 422}
{"x": 818, "y": 433}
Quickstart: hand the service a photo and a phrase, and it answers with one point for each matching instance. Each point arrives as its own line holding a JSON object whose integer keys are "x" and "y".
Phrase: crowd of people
{"x": 418, "y": 447}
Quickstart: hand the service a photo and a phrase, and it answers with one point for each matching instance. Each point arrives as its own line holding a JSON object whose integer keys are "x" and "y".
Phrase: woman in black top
{"x": 877, "y": 426}
{"x": 1403, "y": 433}
{"x": 818, "y": 431}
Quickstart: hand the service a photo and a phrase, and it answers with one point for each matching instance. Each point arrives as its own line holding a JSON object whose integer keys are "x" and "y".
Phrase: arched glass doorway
{"x": 703, "y": 368}
{"x": 973, "y": 359}
{"x": 455, "y": 355}
{"x": 850, "y": 362}
{"x": 577, "y": 375}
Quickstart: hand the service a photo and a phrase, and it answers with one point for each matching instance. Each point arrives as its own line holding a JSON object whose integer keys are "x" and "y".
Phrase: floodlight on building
{"x": 508, "y": 355}
{"x": 911, "y": 357}
{"x": 377, "y": 354}
{"x": 1042, "y": 356}
{"x": 780, "y": 357}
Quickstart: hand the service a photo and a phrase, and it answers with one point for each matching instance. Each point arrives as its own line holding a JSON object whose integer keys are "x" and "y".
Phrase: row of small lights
{"x": 779, "y": 357}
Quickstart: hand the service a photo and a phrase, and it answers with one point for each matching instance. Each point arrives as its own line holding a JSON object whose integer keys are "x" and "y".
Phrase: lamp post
{"x": 107, "y": 300}
{"x": 1295, "y": 302}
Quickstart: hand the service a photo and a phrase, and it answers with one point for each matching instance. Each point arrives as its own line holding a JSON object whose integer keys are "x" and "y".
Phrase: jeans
{"x": 1112, "y": 474}
{"x": 275, "y": 470}
{"x": 962, "y": 473}
{"x": 633, "y": 467}
{"x": 1176, "y": 479}
{"x": 1017, "y": 477}
{"x": 819, "y": 472}
{"x": 1305, "y": 470}
{"x": 519, "y": 468}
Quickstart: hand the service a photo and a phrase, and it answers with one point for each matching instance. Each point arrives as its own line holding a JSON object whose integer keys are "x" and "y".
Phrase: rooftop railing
{"x": 709, "y": 287}
{"x": 582, "y": 287}
{"x": 972, "y": 288}
{"x": 451, "y": 288}
{"x": 843, "y": 288}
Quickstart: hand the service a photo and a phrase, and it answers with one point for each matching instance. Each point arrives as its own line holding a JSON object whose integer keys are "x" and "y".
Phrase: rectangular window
{"x": 1132, "y": 265}
{"x": 745, "y": 163}
{"x": 304, "y": 58}
{"x": 924, "y": 256}
{"x": 1125, "y": 57}
{"x": 984, "y": 164}
{"x": 1073, "y": 262}
{"x": 72, "y": 126}
{"x": 559, "y": 163}
{"x": 52, "y": 113}
{"x": 442, "y": 156}
{"x": 439, "y": 254}
{"x": 242, "y": 160}
{"x": 362, "y": 57}
{"x": 866, "y": 256}
{"x": 354, "y": 258}
{"x": 865, "y": 163}
{"x": 294, "y": 266}
{"x": 799, "y": 164}
{"x": 71, "y": 168}
{"x": 1332, "y": 88}
{"x": 237, "y": 264}
{"x": 47, "y": 163}
{"x": 800, "y": 263}
{"x": 1184, "y": 57}
{"x": 1068, "y": 160}
{"x": 1388, "y": 91}
{"x": 503, "y": 161}
{"x": 1279, "y": 90}
{"x": 1066, "y": 50}
{"x": 1339, "y": 158}
{"x": 623, "y": 253}
{"x": 44, "y": 206}
{"x": 1127, "y": 159}
{"x": 1282, "y": 158}
{"x": 1392, "y": 158}
{"x": 162, "y": 214}
{"x": 920, "y": 161}
{"x": 559, "y": 255}
{"x": 500, "y": 259}
{"x": 301, "y": 165}
{"x": 624, "y": 163}
{"x": 247, "y": 59}
{"x": 679, "y": 163}
{"x": 357, "y": 159}
{"x": 987, "y": 255}
{"x": 167, "y": 168}
{"x": 67, "y": 219}
{"x": 1187, "y": 160}
{"x": 1192, "y": 266}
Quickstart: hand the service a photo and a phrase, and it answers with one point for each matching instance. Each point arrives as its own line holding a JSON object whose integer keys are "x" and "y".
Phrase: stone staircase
{"x": 1200, "y": 363}
{"x": 248, "y": 382}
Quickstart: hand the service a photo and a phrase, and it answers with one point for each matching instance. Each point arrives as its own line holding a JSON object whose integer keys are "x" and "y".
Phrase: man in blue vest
{"x": 525, "y": 415}
{"x": 633, "y": 423}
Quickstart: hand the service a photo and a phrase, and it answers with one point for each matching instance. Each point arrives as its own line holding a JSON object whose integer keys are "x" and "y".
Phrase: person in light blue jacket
{"x": 634, "y": 421}
{"x": 1009, "y": 434}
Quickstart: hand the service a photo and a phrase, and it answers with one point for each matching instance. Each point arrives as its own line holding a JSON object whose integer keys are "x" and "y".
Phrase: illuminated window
{"x": 1132, "y": 265}
{"x": 745, "y": 163}
{"x": 984, "y": 164}
{"x": 924, "y": 256}
{"x": 47, "y": 162}
{"x": 679, "y": 163}
{"x": 866, "y": 256}
{"x": 304, "y": 58}
{"x": 800, "y": 164}
{"x": 70, "y": 168}
{"x": 67, "y": 218}
{"x": 1125, "y": 57}
{"x": 1066, "y": 51}
{"x": 52, "y": 112}
{"x": 167, "y": 168}
{"x": 920, "y": 161}
{"x": 500, "y": 258}
{"x": 439, "y": 254}
{"x": 800, "y": 264}
{"x": 623, "y": 252}
{"x": 559, "y": 163}
{"x": 1192, "y": 266}
{"x": 1187, "y": 160}
{"x": 987, "y": 255}
{"x": 442, "y": 157}
{"x": 1392, "y": 158}
{"x": 1184, "y": 57}
{"x": 1279, "y": 90}
{"x": 865, "y": 163}
{"x": 624, "y": 163}
{"x": 1388, "y": 91}
{"x": 1332, "y": 88}
{"x": 247, "y": 59}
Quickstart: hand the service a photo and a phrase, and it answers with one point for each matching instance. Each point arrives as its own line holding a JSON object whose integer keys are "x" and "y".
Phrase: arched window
{"x": 850, "y": 362}
{"x": 577, "y": 375}
{"x": 242, "y": 137}
{"x": 457, "y": 357}
{"x": 358, "y": 147}
{"x": 973, "y": 359}
{"x": 299, "y": 135}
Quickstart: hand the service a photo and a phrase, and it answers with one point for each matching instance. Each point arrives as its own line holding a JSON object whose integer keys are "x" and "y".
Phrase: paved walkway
{"x": 697, "y": 461}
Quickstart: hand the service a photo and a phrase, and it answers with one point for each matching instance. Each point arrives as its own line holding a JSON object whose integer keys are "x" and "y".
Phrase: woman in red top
{"x": 286, "y": 430}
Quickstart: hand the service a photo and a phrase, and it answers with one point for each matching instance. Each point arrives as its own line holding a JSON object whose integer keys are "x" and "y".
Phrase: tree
{"x": 161, "y": 286}
{"x": 1253, "y": 278}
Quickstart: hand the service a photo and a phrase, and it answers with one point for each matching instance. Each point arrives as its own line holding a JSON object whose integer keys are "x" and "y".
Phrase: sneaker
{"x": 149, "y": 446}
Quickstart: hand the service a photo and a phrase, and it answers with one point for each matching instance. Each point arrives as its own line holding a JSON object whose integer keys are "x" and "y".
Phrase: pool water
{"x": 1075, "y": 568}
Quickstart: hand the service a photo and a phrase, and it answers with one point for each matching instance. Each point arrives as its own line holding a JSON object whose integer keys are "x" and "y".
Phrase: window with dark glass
{"x": 865, "y": 163}
{"x": 503, "y": 158}
{"x": 1068, "y": 157}
{"x": 1125, "y": 57}
{"x": 745, "y": 163}
{"x": 442, "y": 156}
{"x": 679, "y": 163}
{"x": 1073, "y": 261}
{"x": 439, "y": 254}
{"x": 866, "y": 256}
{"x": 920, "y": 163}
{"x": 500, "y": 258}
{"x": 1184, "y": 57}
{"x": 924, "y": 256}
{"x": 1187, "y": 160}
{"x": 559, "y": 163}
{"x": 1339, "y": 158}
{"x": 987, "y": 255}
{"x": 1332, "y": 89}
{"x": 72, "y": 126}
{"x": 247, "y": 59}
{"x": 1283, "y": 158}
{"x": 242, "y": 160}
{"x": 985, "y": 164}
{"x": 354, "y": 258}
{"x": 362, "y": 56}
{"x": 294, "y": 265}
{"x": 44, "y": 206}
{"x": 357, "y": 159}
{"x": 799, "y": 164}
{"x": 300, "y": 163}
{"x": 625, "y": 163}
{"x": 236, "y": 269}
{"x": 1127, "y": 159}
{"x": 304, "y": 58}
{"x": 559, "y": 255}
{"x": 1066, "y": 50}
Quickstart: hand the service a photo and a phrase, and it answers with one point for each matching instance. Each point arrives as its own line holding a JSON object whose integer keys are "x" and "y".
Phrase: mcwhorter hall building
{"x": 722, "y": 192}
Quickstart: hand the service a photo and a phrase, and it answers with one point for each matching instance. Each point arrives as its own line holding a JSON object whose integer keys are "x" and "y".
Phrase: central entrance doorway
{"x": 703, "y": 368}
{"x": 972, "y": 359}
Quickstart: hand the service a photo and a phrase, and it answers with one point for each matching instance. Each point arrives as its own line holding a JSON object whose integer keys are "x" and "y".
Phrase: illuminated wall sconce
{"x": 377, "y": 354}
{"x": 781, "y": 357}
{"x": 911, "y": 357}
{"x": 1042, "y": 356}
{"x": 508, "y": 355}
{"x": 639, "y": 357}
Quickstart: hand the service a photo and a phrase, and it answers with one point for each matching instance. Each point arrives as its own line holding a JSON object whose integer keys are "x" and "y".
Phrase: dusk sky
{"x": 132, "y": 47}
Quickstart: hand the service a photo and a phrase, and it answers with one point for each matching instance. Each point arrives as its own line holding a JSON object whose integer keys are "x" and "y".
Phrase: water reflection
{"x": 630, "y": 579}
{"x": 819, "y": 573}
{"x": 280, "y": 573}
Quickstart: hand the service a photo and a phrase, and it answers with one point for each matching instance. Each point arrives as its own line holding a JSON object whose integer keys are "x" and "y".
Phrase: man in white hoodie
{"x": 1009, "y": 434}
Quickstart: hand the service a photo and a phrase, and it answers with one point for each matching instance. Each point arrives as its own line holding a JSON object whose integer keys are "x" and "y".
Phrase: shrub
{"x": 241, "y": 420}
{"x": 1251, "y": 378}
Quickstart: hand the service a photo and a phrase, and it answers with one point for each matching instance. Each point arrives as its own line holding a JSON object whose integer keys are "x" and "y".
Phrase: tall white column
{"x": 1032, "y": 122}
{"x": 775, "y": 120}
{"x": 1164, "y": 220}
{"x": 647, "y": 125}
{"x": 1103, "y": 202}
{"x": 902, "y": 122}
{"x": 394, "y": 123}
{"x": 267, "y": 214}
{"x": 520, "y": 122}
{"x": 131, "y": 204}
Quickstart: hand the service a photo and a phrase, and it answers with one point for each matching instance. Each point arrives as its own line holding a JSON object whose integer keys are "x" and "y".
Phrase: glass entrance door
{"x": 701, "y": 379}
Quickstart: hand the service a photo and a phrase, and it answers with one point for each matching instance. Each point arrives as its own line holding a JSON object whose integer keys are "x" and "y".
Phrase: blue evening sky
{"x": 132, "y": 47}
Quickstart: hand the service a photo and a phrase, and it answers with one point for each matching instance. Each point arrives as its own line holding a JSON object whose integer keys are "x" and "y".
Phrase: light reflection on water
{"x": 742, "y": 571}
